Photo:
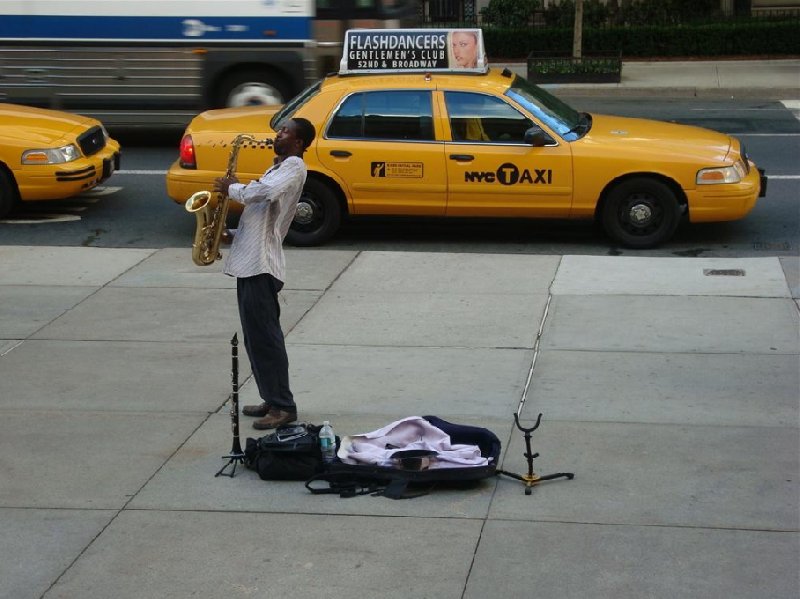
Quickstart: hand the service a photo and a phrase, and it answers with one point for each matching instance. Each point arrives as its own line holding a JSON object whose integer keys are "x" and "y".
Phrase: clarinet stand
{"x": 531, "y": 479}
{"x": 236, "y": 456}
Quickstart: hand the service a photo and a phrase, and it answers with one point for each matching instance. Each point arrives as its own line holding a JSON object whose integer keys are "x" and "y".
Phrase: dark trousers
{"x": 260, "y": 314}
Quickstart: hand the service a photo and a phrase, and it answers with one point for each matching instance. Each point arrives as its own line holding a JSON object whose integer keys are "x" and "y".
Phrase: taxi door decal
{"x": 398, "y": 170}
{"x": 510, "y": 174}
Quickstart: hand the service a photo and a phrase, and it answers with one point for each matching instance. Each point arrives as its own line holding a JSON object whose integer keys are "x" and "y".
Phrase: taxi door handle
{"x": 462, "y": 157}
{"x": 340, "y": 153}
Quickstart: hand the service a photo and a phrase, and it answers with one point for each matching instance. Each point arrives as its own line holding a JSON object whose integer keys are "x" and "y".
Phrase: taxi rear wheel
{"x": 318, "y": 215}
{"x": 641, "y": 213}
{"x": 8, "y": 193}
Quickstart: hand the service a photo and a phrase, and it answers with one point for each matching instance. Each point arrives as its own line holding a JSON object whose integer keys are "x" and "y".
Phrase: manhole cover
{"x": 723, "y": 272}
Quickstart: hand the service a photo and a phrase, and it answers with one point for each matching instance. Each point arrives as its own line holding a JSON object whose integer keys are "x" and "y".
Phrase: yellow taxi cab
{"x": 51, "y": 155}
{"x": 408, "y": 128}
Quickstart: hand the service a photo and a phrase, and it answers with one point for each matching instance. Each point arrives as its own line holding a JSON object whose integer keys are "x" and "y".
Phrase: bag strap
{"x": 398, "y": 489}
{"x": 345, "y": 486}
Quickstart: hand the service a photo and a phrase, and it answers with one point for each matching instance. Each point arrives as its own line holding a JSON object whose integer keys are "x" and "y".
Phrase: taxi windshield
{"x": 559, "y": 116}
{"x": 293, "y": 105}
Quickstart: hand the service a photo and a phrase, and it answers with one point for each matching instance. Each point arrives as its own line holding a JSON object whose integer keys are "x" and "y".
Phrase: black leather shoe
{"x": 259, "y": 411}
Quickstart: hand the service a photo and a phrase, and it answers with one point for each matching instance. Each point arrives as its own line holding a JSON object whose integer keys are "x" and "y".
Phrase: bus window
{"x": 365, "y": 9}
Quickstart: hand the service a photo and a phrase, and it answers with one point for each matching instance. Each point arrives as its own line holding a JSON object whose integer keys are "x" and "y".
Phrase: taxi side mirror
{"x": 537, "y": 138}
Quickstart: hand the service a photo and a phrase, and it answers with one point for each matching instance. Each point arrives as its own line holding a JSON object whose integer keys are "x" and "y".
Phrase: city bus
{"x": 160, "y": 62}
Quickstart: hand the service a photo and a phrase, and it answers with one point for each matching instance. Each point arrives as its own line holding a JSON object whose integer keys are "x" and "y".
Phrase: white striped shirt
{"x": 269, "y": 208}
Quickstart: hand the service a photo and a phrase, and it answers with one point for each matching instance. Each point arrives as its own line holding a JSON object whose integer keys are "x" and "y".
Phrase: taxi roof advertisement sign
{"x": 413, "y": 50}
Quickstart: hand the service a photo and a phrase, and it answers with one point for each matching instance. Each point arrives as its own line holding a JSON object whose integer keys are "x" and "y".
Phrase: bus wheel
{"x": 250, "y": 88}
{"x": 318, "y": 215}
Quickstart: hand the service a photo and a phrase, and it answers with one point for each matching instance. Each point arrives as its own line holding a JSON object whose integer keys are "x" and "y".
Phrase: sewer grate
{"x": 729, "y": 272}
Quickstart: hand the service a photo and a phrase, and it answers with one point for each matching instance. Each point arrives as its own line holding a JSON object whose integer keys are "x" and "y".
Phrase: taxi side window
{"x": 395, "y": 115}
{"x": 348, "y": 121}
{"x": 482, "y": 118}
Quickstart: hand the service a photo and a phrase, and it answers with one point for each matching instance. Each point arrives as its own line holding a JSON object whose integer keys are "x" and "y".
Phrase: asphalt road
{"x": 133, "y": 210}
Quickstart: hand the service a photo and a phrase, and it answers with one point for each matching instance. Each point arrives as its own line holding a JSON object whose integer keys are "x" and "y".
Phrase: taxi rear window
{"x": 385, "y": 114}
{"x": 293, "y": 105}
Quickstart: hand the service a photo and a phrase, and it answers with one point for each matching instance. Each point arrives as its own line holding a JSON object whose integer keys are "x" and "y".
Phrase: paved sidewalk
{"x": 671, "y": 393}
{"x": 768, "y": 79}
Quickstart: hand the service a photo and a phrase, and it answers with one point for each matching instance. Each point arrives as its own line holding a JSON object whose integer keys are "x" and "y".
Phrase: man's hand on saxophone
{"x": 221, "y": 184}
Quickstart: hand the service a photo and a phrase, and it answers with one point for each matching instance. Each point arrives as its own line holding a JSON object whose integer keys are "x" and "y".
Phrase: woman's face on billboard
{"x": 465, "y": 49}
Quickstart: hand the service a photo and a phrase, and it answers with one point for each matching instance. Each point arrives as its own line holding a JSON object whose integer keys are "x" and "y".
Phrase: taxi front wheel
{"x": 8, "y": 193}
{"x": 318, "y": 215}
{"x": 641, "y": 213}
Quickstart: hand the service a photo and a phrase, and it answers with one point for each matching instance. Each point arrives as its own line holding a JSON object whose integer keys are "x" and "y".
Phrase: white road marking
{"x": 78, "y": 203}
{"x": 736, "y": 109}
{"x": 139, "y": 172}
{"x": 100, "y": 191}
{"x": 45, "y": 217}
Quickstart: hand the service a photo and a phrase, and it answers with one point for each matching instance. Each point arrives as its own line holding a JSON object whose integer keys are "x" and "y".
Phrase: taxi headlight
{"x": 60, "y": 155}
{"x": 725, "y": 174}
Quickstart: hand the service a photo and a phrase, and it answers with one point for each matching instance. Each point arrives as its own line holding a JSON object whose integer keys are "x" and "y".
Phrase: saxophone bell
{"x": 197, "y": 201}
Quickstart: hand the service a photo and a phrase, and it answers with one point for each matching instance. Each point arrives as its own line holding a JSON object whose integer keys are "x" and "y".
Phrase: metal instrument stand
{"x": 236, "y": 456}
{"x": 233, "y": 458}
{"x": 531, "y": 479}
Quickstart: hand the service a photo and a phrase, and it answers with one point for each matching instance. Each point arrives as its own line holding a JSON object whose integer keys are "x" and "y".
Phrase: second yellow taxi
{"x": 405, "y": 129}
{"x": 51, "y": 155}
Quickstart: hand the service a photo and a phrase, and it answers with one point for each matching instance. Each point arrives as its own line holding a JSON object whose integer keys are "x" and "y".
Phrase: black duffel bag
{"x": 290, "y": 453}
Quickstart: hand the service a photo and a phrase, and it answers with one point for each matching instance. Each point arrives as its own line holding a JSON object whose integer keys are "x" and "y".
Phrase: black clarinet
{"x": 236, "y": 455}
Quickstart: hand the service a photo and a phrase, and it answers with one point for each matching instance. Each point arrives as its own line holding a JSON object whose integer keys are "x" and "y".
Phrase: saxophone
{"x": 211, "y": 219}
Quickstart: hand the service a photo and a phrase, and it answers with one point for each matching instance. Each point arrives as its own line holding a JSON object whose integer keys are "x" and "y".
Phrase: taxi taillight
{"x": 186, "y": 154}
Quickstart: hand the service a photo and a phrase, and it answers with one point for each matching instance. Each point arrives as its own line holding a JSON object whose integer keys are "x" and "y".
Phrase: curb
{"x": 582, "y": 90}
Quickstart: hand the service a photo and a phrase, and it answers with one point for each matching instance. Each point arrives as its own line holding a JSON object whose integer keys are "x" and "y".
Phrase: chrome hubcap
{"x": 640, "y": 214}
{"x": 304, "y": 214}
{"x": 254, "y": 93}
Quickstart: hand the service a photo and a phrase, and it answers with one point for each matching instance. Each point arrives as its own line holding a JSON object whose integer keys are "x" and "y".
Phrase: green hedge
{"x": 733, "y": 38}
{"x": 597, "y": 13}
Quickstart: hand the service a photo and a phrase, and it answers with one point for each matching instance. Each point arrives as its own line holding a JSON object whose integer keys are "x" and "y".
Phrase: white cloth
{"x": 413, "y": 432}
{"x": 270, "y": 204}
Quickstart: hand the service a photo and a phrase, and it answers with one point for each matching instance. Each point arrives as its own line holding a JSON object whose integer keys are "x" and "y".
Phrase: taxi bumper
{"x": 725, "y": 202}
{"x": 182, "y": 182}
{"x": 60, "y": 181}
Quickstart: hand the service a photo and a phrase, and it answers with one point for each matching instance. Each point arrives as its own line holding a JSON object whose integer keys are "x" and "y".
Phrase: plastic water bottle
{"x": 327, "y": 442}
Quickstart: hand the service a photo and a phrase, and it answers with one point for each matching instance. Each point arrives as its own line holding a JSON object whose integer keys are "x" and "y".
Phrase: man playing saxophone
{"x": 257, "y": 261}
